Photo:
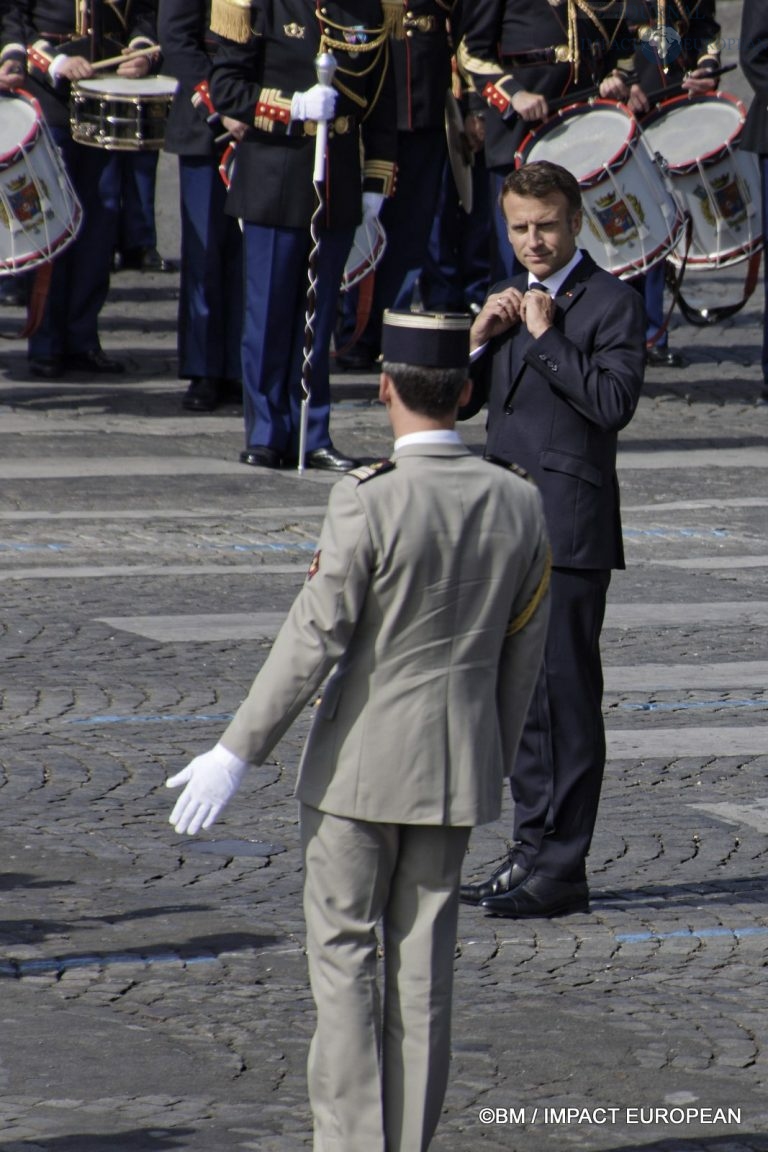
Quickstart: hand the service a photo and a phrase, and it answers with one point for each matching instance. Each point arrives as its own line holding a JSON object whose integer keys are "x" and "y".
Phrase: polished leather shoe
{"x": 664, "y": 357}
{"x": 46, "y": 367}
{"x": 540, "y": 896}
{"x": 261, "y": 457}
{"x": 231, "y": 391}
{"x": 507, "y": 876}
{"x": 95, "y": 361}
{"x": 203, "y": 395}
{"x": 143, "y": 260}
{"x": 330, "y": 459}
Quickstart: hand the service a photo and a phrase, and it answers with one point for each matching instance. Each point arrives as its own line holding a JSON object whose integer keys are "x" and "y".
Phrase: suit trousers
{"x": 559, "y": 769}
{"x": 378, "y": 1064}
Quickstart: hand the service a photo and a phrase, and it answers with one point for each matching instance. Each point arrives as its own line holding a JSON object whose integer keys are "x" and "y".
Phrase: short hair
{"x": 432, "y": 392}
{"x": 540, "y": 179}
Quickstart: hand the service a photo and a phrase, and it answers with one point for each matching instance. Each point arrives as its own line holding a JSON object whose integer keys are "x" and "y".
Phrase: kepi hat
{"x": 426, "y": 339}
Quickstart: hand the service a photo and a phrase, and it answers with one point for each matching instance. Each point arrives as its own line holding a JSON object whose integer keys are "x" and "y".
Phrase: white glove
{"x": 211, "y": 781}
{"x": 372, "y": 202}
{"x": 316, "y": 103}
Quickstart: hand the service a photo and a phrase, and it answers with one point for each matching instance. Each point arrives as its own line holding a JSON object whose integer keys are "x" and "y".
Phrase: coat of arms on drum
{"x": 620, "y": 219}
{"x": 22, "y": 198}
{"x": 724, "y": 198}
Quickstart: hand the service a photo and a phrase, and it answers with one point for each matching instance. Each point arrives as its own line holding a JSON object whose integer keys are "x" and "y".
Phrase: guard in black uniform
{"x": 421, "y": 48}
{"x": 265, "y": 76}
{"x": 753, "y": 57}
{"x": 211, "y": 289}
{"x": 55, "y": 42}
{"x": 520, "y": 54}
{"x": 678, "y": 44}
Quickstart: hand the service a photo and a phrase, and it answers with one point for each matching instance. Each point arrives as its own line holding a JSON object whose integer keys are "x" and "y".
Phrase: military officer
{"x": 428, "y": 592}
{"x": 421, "y": 46}
{"x": 753, "y": 57}
{"x": 211, "y": 283}
{"x": 519, "y": 55}
{"x": 53, "y": 43}
{"x": 678, "y": 46}
{"x": 265, "y": 77}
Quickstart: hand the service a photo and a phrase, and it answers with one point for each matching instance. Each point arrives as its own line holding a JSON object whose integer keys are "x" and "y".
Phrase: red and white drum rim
{"x": 615, "y": 162}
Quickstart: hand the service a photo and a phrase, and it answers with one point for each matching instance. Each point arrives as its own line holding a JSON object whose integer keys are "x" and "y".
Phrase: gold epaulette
{"x": 368, "y": 471}
{"x": 523, "y": 617}
{"x": 231, "y": 19}
{"x": 511, "y": 467}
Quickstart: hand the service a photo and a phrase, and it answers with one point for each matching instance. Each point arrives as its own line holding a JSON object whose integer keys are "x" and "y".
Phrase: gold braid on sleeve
{"x": 519, "y": 622}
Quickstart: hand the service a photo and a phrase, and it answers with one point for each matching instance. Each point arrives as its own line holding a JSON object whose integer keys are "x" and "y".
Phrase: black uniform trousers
{"x": 558, "y": 773}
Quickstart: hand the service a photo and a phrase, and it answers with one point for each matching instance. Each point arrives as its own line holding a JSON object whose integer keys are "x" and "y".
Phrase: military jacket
{"x": 254, "y": 81}
{"x": 189, "y": 48}
{"x": 692, "y": 40}
{"x": 509, "y": 46}
{"x": 421, "y": 47}
{"x": 36, "y": 31}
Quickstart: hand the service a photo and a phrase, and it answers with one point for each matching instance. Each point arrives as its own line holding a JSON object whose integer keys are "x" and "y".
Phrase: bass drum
{"x": 697, "y": 139}
{"x": 632, "y": 220}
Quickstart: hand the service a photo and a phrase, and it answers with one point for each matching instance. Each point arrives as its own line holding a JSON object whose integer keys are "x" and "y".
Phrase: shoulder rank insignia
{"x": 510, "y": 466}
{"x": 368, "y": 471}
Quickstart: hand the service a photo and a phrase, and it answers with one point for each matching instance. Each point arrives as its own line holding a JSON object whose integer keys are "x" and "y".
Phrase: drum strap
{"x": 704, "y": 317}
{"x": 38, "y": 296}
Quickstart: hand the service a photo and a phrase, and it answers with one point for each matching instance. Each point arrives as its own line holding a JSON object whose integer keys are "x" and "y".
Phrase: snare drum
{"x": 698, "y": 138}
{"x": 121, "y": 114}
{"x": 39, "y": 211}
{"x": 632, "y": 219}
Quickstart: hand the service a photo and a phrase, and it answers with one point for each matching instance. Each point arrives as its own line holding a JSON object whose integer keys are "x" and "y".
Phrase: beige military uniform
{"x": 428, "y": 594}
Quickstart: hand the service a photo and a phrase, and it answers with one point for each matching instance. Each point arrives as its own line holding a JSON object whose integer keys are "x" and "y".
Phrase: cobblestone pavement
{"x": 153, "y": 989}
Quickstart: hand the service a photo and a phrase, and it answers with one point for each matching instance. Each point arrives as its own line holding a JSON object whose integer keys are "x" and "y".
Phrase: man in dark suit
{"x": 265, "y": 77}
{"x": 559, "y": 357}
{"x": 211, "y": 287}
{"x": 753, "y": 57}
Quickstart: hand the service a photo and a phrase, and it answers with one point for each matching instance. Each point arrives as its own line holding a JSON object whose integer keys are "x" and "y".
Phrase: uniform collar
{"x": 429, "y": 439}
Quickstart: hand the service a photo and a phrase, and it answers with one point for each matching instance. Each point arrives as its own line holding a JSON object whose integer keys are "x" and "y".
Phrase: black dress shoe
{"x": 231, "y": 391}
{"x": 95, "y": 361}
{"x": 507, "y": 876}
{"x": 330, "y": 460}
{"x": 46, "y": 367}
{"x": 261, "y": 457}
{"x": 540, "y": 896}
{"x": 203, "y": 395}
{"x": 143, "y": 260}
{"x": 664, "y": 357}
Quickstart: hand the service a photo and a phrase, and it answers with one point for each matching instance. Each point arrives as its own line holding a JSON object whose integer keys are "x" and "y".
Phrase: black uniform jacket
{"x": 556, "y": 404}
{"x": 698, "y": 45}
{"x": 255, "y": 81}
{"x": 421, "y": 50}
{"x": 35, "y": 31}
{"x": 510, "y": 46}
{"x": 188, "y": 49}
{"x": 753, "y": 57}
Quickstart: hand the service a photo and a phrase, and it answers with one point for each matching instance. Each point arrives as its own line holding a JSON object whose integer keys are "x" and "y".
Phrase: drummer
{"x": 673, "y": 52}
{"x": 519, "y": 55}
{"x": 46, "y": 46}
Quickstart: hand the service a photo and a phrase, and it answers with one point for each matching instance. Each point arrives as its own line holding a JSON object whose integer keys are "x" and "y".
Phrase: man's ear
{"x": 466, "y": 393}
{"x": 385, "y": 389}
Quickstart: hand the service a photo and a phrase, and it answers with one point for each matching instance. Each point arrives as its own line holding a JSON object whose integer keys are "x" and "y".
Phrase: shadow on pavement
{"x": 744, "y": 890}
{"x": 136, "y": 1140}
{"x": 743, "y": 1142}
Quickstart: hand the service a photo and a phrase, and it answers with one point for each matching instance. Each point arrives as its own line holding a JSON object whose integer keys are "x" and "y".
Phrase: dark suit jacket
{"x": 753, "y": 57}
{"x": 556, "y": 404}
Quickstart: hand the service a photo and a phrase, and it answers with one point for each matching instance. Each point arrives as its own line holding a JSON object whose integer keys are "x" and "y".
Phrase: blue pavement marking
{"x": 701, "y": 934}
{"x": 19, "y": 968}
{"x": 683, "y": 705}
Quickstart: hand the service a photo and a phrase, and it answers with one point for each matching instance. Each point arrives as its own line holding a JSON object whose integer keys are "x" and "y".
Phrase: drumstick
{"x": 114, "y": 61}
{"x": 677, "y": 88}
